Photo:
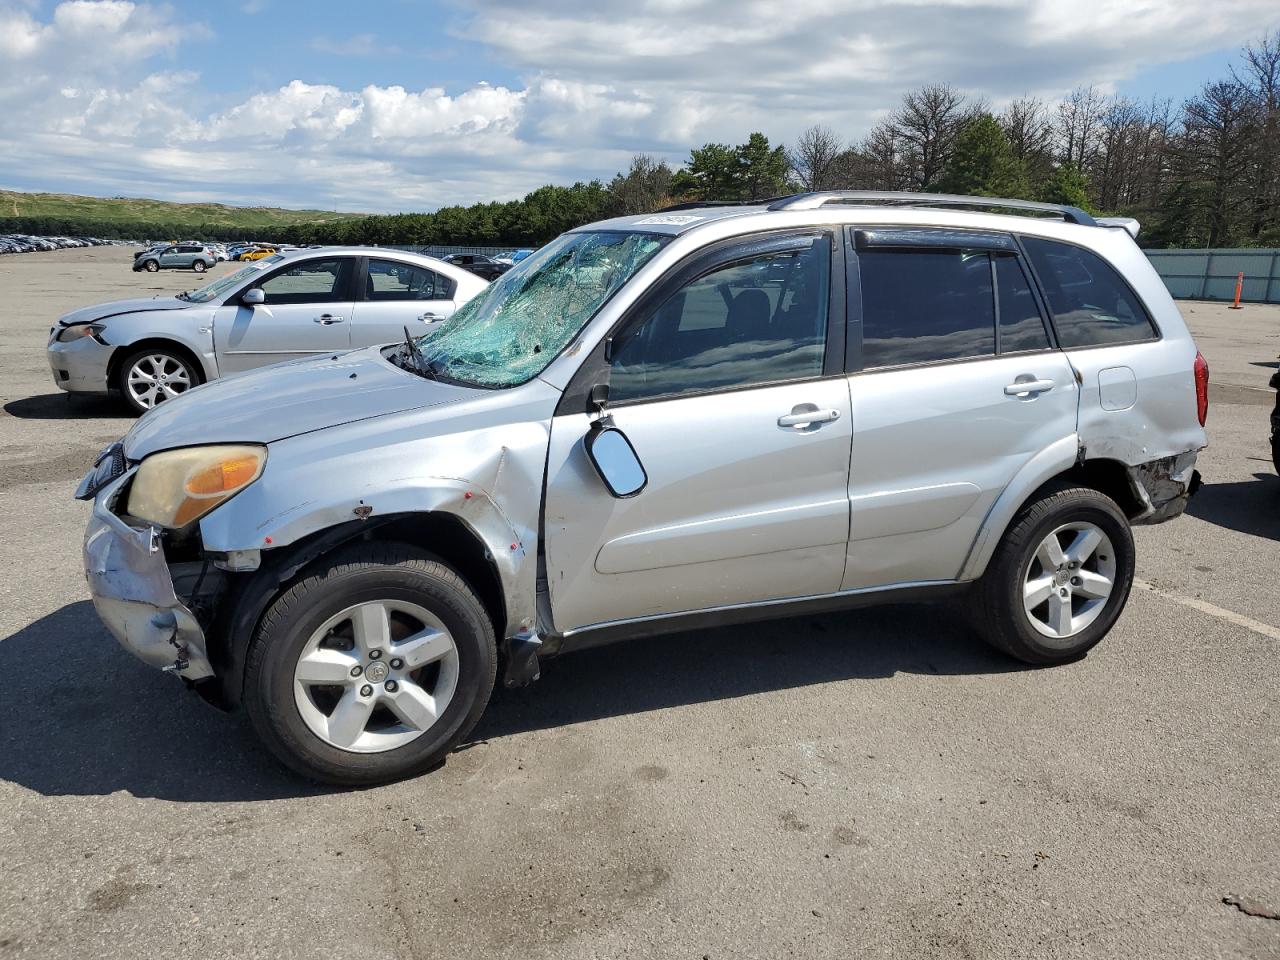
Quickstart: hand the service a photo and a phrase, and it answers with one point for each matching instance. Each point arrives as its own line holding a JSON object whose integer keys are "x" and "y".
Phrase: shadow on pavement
{"x": 65, "y": 406}
{"x": 659, "y": 672}
{"x": 82, "y": 717}
{"x": 1249, "y": 506}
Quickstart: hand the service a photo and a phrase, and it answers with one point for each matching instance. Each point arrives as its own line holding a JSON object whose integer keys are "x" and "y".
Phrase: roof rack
{"x": 698, "y": 204}
{"x": 812, "y": 201}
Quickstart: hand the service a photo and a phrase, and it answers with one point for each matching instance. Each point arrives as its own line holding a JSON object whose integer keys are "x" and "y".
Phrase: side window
{"x": 1090, "y": 304}
{"x": 925, "y": 305}
{"x": 753, "y": 321}
{"x": 1021, "y": 326}
{"x": 313, "y": 281}
{"x": 391, "y": 280}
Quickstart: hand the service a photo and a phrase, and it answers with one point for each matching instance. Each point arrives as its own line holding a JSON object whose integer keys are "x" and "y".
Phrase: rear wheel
{"x": 1059, "y": 578}
{"x": 198, "y": 266}
{"x": 150, "y": 377}
{"x": 372, "y": 668}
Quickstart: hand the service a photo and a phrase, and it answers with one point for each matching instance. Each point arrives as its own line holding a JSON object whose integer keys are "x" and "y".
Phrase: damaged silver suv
{"x": 706, "y": 416}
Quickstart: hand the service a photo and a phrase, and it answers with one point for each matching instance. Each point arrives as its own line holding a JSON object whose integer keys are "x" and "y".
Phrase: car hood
{"x": 285, "y": 400}
{"x": 101, "y": 311}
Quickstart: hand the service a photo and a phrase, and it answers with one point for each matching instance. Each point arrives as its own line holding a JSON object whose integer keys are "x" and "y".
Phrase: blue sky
{"x": 391, "y": 105}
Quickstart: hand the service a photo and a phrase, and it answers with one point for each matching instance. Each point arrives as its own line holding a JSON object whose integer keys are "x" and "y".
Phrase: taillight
{"x": 1202, "y": 387}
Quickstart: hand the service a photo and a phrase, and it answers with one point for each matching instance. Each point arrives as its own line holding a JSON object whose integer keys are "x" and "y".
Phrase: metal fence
{"x": 444, "y": 251}
{"x": 1211, "y": 274}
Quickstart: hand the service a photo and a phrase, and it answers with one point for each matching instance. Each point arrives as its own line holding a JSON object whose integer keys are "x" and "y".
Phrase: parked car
{"x": 181, "y": 256}
{"x": 257, "y": 252}
{"x": 636, "y": 430}
{"x": 481, "y": 266}
{"x": 285, "y": 306}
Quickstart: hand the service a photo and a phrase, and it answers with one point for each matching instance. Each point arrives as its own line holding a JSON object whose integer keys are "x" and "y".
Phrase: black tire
{"x": 122, "y": 373}
{"x": 996, "y": 606}
{"x": 362, "y": 573}
{"x": 198, "y": 266}
{"x": 152, "y": 266}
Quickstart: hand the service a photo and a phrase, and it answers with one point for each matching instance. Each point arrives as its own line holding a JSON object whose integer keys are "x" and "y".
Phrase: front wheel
{"x": 1059, "y": 578}
{"x": 152, "y": 266}
{"x": 371, "y": 668}
{"x": 150, "y": 377}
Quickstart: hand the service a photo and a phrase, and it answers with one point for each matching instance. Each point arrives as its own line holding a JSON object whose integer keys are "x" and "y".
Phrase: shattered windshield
{"x": 509, "y": 333}
{"x": 210, "y": 291}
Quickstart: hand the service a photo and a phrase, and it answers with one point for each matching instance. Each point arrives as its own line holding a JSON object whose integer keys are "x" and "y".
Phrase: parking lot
{"x": 875, "y": 783}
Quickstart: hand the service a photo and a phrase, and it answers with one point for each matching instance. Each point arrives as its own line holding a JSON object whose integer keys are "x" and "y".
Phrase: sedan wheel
{"x": 376, "y": 676}
{"x": 154, "y": 376}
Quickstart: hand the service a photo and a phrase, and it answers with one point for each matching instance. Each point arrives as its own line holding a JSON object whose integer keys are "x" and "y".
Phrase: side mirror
{"x": 615, "y": 460}
{"x": 253, "y": 296}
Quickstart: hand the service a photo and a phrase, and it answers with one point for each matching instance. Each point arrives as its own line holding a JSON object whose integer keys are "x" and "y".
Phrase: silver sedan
{"x": 282, "y": 307}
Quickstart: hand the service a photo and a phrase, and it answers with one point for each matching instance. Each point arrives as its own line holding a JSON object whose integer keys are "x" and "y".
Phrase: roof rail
{"x": 812, "y": 201}
{"x": 698, "y": 204}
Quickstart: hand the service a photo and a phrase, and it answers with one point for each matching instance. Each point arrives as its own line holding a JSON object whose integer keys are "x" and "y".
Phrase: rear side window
{"x": 393, "y": 280}
{"x": 1090, "y": 304}
{"x": 1021, "y": 326}
{"x": 925, "y": 305}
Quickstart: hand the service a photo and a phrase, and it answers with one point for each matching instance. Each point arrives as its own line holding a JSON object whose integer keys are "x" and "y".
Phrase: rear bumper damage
{"x": 132, "y": 590}
{"x": 1164, "y": 486}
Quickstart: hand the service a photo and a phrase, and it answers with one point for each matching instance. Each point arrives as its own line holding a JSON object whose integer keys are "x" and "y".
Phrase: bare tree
{"x": 877, "y": 163}
{"x": 1260, "y": 76}
{"x": 1217, "y": 149}
{"x": 1077, "y": 125}
{"x": 645, "y": 187}
{"x": 927, "y": 125}
{"x": 813, "y": 158}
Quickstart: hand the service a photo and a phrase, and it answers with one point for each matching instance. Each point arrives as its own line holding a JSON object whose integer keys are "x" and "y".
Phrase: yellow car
{"x": 257, "y": 254}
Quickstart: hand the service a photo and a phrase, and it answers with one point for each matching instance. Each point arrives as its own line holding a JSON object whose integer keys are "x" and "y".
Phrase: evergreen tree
{"x": 983, "y": 163}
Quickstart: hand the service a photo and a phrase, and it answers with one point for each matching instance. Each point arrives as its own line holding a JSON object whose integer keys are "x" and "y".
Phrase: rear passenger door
{"x": 956, "y": 385}
{"x": 396, "y": 295}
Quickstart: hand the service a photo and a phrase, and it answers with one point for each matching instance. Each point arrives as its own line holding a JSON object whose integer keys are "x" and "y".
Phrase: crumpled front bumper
{"x": 132, "y": 591}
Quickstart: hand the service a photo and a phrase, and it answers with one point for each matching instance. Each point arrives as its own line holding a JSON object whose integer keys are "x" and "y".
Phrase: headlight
{"x": 174, "y": 488}
{"x": 78, "y": 330}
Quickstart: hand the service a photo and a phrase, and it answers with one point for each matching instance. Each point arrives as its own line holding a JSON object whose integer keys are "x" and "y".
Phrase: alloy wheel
{"x": 376, "y": 676}
{"x": 156, "y": 377}
{"x": 1068, "y": 580}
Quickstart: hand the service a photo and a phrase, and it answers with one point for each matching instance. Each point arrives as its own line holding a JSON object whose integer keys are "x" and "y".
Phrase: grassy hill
{"x": 129, "y": 217}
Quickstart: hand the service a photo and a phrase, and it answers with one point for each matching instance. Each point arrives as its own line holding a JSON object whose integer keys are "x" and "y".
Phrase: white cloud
{"x": 94, "y": 94}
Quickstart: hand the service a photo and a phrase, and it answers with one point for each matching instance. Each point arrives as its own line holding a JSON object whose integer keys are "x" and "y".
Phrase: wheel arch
{"x": 440, "y": 533}
{"x": 1057, "y": 463}
{"x": 124, "y": 351}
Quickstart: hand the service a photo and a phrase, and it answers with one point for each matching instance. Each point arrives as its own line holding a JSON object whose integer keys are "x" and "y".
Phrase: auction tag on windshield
{"x": 672, "y": 220}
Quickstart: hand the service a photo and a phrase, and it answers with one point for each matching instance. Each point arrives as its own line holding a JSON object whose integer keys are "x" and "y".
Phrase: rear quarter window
{"x": 1090, "y": 303}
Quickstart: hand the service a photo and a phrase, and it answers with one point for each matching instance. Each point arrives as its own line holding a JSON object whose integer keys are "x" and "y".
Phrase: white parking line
{"x": 1257, "y": 626}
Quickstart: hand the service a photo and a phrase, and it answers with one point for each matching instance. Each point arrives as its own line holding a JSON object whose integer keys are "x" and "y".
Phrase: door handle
{"x": 803, "y": 418}
{"x": 327, "y": 318}
{"x": 428, "y": 317}
{"x": 1021, "y": 388}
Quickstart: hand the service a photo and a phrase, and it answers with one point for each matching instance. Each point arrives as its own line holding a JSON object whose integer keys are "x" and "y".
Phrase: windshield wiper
{"x": 419, "y": 361}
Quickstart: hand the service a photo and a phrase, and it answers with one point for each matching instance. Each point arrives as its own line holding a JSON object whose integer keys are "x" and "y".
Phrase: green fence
{"x": 1211, "y": 274}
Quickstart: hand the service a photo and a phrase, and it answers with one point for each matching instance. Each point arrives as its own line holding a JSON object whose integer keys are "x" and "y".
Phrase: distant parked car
{"x": 256, "y": 253}
{"x": 180, "y": 256}
{"x": 283, "y": 307}
{"x": 478, "y": 264}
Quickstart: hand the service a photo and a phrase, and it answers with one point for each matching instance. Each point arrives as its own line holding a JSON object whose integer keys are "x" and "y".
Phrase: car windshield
{"x": 509, "y": 333}
{"x": 215, "y": 289}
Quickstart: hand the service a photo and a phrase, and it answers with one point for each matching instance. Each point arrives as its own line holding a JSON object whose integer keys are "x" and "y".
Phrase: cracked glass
{"x": 508, "y": 334}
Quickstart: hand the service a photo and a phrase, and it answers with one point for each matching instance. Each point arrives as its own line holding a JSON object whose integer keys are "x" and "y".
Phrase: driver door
{"x": 306, "y": 312}
{"x": 727, "y": 381}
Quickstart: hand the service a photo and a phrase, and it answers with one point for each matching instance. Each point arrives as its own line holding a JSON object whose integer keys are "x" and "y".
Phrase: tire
{"x": 198, "y": 266}
{"x": 1063, "y": 627}
{"x": 152, "y": 266}
{"x": 298, "y": 716}
{"x": 147, "y": 378}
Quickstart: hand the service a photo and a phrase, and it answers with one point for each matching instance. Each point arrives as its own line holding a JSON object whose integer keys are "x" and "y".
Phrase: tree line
{"x": 1202, "y": 173}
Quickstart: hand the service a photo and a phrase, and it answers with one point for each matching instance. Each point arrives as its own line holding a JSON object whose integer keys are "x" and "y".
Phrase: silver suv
{"x": 705, "y": 416}
{"x": 178, "y": 256}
